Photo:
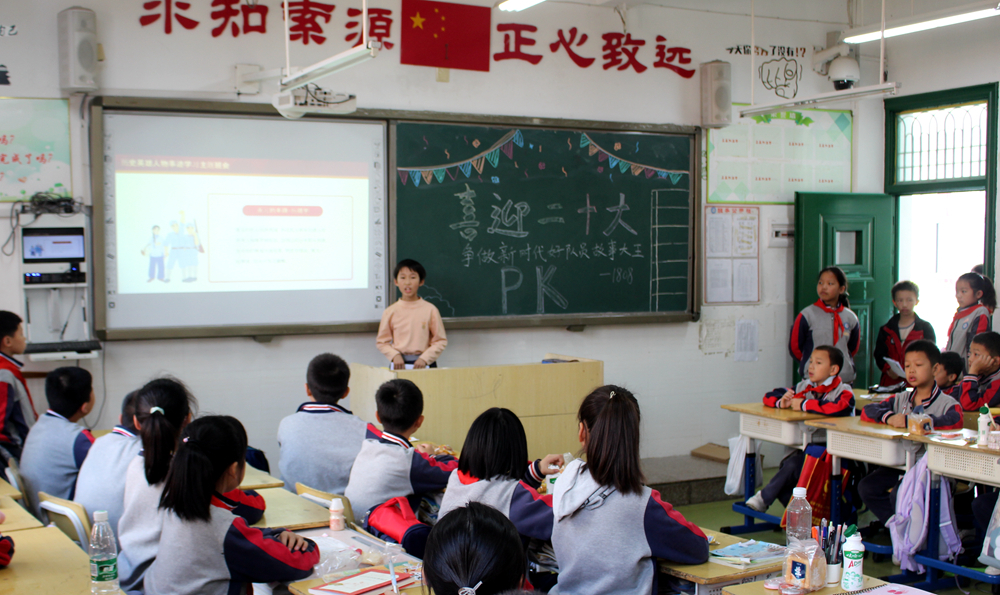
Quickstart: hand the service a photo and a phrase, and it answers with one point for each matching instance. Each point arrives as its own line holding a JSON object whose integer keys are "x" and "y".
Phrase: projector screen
{"x": 216, "y": 221}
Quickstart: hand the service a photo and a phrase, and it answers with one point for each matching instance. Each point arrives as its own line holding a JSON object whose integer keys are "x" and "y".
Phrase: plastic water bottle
{"x": 852, "y": 577}
{"x": 799, "y": 516}
{"x": 103, "y": 557}
{"x": 985, "y": 425}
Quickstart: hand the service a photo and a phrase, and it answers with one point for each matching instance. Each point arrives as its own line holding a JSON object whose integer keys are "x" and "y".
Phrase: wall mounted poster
{"x": 34, "y": 148}
{"x": 767, "y": 159}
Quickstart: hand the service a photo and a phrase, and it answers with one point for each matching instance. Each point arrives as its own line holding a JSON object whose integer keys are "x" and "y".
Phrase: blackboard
{"x": 532, "y": 221}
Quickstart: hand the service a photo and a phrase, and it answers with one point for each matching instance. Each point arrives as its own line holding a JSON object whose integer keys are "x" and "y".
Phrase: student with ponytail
{"x": 603, "y": 501}
{"x": 977, "y": 298}
{"x": 210, "y": 461}
{"x": 828, "y": 321}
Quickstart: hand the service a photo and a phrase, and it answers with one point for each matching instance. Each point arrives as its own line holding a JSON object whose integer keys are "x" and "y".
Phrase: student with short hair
{"x": 387, "y": 466}
{"x": 977, "y": 299}
{"x": 493, "y": 469}
{"x": 903, "y": 328}
{"x": 204, "y": 547}
{"x": 948, "y": 372}
{"x": 101, "y": 483}
{"x": 828, "y": 321}
{"x": 411, "y": 330}
{"x": 474, "y": 549}
{"x": 822, "y": 392}
{"x": 18, "y": 409}
{"x": 603, "y": 501}
{"x": 981, "y": 386}
{"x": 57, "y": 445}
{"x": 320, "y": 441}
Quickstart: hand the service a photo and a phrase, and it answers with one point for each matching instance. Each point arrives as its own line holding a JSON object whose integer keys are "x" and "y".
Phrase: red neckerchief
{"x": 838, "y": 323}
{"x": 821, "y": 389}
{"x": 962, "y": 313}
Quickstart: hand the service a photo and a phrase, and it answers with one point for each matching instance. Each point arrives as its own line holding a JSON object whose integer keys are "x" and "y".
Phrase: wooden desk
{"x": 710, "y": 574}
{"x": 302, "y": 587}
{"x": 18, "y": 518}
{"x": 46, "y": 562}
{"x": 99, "y": 433}
{"x": 255, "y": 479}
{"x": 959, "y": 459}
{"x": 783, "y": 426}
{"x": 970, "y": 419}
{"x": 356, "y": 540}
{"x": 757, "y": 588}
{"x": 289, "y": 511}
{"x": 8, "y": 490}
{"x": 851, "y": 438}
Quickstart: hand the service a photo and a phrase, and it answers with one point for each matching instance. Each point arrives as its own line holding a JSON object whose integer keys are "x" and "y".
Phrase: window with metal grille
{"x": 943, "y": 143}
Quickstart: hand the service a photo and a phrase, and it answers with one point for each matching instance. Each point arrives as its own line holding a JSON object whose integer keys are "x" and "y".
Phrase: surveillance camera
{"x": 844, "y": 72}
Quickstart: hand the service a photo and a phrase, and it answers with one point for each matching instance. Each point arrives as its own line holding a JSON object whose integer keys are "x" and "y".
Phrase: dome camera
{"x": 843, "y": 72}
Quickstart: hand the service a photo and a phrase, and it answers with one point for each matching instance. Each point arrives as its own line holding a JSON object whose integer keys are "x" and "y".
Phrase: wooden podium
{"x": 545, "y": 396}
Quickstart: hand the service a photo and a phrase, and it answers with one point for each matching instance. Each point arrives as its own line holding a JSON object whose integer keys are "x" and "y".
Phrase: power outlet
{"x": 780, "y": 234}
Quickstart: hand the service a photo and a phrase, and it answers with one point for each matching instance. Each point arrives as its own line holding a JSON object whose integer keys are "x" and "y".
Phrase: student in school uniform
{"x": 949, "y": 371}
{"x": 320, "y": 441}
{"x": 411, "y": 330}
{"x": 101, "y": 483}
{"x": 205, "y": 548}
{"x": 493, "y": 469}
{"x": 18, "y": 413}
{"x": 57, "y": 445}
{"x": 921, "y": 357}
{"x": 976, "y": 299}
{"x": 829, "y": 321}
{"x": 603, "y": 501}
{"x": 387, "y": 466}
{"x": 981, "y": 386}
{"x": 903, "y": 328}
{"x": 822, "y": 392}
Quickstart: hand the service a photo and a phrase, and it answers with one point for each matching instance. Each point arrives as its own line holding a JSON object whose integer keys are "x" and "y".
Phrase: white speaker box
{"x": 77, "y": 50}
{"x": 716, "y": 94}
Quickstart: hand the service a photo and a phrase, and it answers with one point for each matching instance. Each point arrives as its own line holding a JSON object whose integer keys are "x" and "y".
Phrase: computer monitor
{"x": 52, "y": 244}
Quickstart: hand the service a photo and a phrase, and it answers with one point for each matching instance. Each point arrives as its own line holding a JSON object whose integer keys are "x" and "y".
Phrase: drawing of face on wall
{"x": 782, "y": 76}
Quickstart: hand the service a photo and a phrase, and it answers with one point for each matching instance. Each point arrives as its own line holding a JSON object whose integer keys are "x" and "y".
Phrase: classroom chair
{"x": 324, "y": 498}
{"x": 13, "y": 473}
{"x": 70, "y": 517}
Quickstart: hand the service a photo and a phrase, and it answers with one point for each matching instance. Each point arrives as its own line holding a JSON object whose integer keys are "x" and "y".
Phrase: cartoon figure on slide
{"x": 182, "y": 249}
{"x": 155, "y": 250}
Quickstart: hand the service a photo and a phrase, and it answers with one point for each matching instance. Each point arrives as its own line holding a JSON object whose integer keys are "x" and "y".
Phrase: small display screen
{"x": 53, "y": 244}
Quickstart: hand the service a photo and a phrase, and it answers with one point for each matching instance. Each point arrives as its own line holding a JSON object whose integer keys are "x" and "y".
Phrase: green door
{"x": 856, "y": 232}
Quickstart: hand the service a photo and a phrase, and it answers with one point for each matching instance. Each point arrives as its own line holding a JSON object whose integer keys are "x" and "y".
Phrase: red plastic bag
{"x": 815, "y": 478}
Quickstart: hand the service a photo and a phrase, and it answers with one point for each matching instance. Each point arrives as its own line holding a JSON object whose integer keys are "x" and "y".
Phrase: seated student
{"x": 388, "y": 467}
{"x": 877, "y": 488}
{"x": 411, "y": 331}
{"x": 902, "y": 329}
{"x": 101, "y": 483}
{"x": 603, "y": 501}
{"x": 320, "y": 441}
{"x": 493, "y": 469}
{"x": 982, "y": 384}
{"x": 948, "y": 372}
{"x": 57, "y": 445}
{"x": 474, "y": 549}
{"x": 18, "y": 409}
{"x": 823, "y": 392}
{"x": 205, "y": 548}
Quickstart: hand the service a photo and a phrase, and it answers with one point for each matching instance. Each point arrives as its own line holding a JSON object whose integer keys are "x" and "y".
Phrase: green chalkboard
{"x": 533, "y": 221}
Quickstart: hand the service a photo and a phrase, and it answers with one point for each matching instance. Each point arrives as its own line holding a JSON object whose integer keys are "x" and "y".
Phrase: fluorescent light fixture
{"x": 346, "y": 59}
{"x": 930, "y": 20}
{"x": 855, "y": 93}
{"x": 517, "y": 5}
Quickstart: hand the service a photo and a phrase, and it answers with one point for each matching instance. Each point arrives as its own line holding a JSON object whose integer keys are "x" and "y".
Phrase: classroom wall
{"x": 681, "y": 372}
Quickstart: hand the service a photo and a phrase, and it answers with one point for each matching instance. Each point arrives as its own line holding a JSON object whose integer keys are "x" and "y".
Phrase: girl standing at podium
{"x": 411, "y": 331}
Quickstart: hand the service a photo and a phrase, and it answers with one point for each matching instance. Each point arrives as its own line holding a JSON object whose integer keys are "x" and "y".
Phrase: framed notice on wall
{"x": 732, "y": 254}
{"x": 767, "y": 159}
{"x": 34, "y": 148}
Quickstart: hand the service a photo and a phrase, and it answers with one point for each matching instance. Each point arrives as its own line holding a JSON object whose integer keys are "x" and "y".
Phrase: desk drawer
{"x": 963, "y": 464}
{"x": 788, "y": 433}
{"x": 865, "y": 448}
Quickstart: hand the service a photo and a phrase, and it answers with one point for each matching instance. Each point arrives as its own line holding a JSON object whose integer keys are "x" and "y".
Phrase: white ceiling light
{"x": 930, "y": 20}
{"x": 517, "y": 5}
{"x": 833, "y": 96}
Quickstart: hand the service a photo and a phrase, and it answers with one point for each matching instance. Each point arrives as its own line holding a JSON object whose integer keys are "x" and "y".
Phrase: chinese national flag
{"x": 445, "y": 35}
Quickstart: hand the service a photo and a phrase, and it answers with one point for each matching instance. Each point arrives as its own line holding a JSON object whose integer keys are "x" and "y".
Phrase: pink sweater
{"x": 411, "y": 328}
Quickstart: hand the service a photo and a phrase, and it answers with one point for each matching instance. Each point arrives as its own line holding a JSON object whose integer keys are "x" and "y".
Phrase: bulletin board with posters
{"x": 732, "y": 254}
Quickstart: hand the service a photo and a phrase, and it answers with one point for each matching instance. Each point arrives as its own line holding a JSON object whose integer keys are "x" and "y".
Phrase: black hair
{"x": 990, "y": 341}
{"x": 978, "y": 269}
{"x": 327, "y": 377}
{"x": 68, "y": 389}
{"x": 471, "y": 545}
{"x": 927, "y": 348}
{"x": 611, "y": 416}
{"x": 128, "y": 410}
{"x": 409, "y": 263}
{"x": 953, "y": 363}
{"x": 159, "y": 429}
{"x": 836, "y": 355}
{"x": 905, "y": 286}
{"x": 9, "y": 323}
{"x": 208, "y": 447}
{"x": 400, "y": 404}
{"x": 495, "y": 446}
{"x": 838, "y": 273}
{"x": 981, "y": 283}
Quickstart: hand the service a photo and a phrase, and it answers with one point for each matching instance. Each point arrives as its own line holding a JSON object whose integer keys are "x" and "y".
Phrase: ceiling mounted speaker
{"x": 716, "y": 94}
{"x": 77, "y": 50}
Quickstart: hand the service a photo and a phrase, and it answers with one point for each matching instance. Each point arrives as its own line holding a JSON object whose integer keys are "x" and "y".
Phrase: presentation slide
{"x": 250, "y": 222}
